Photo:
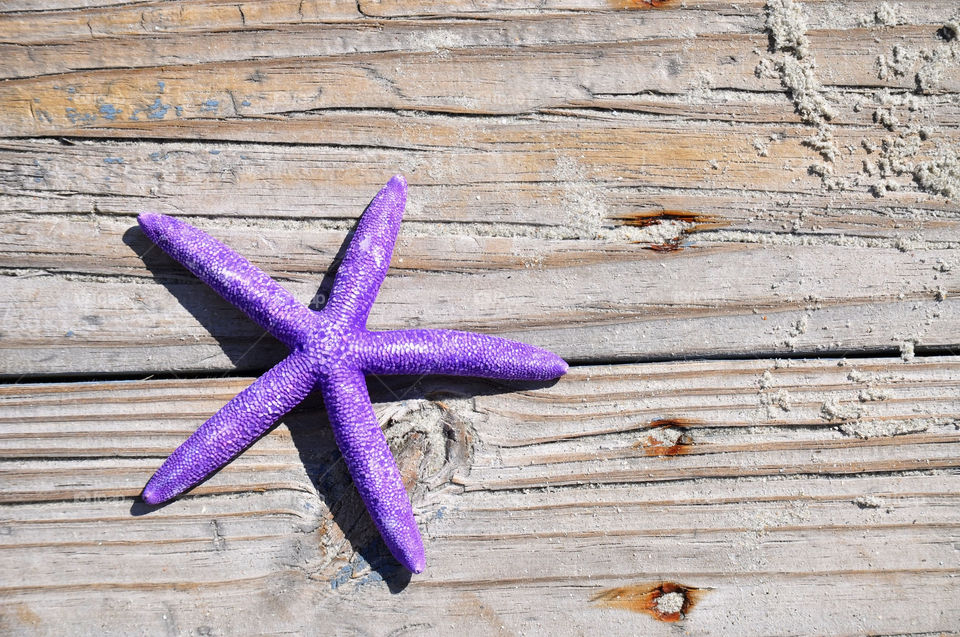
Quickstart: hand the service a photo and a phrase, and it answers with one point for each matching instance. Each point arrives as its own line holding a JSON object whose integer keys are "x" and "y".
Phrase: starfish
{"x": 330, "y": 350}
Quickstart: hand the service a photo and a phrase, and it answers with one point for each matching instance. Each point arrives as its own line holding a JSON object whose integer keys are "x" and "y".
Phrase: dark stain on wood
{"x": 682, "y": 445}
{"x": 664, "y": 601}
{"x": 645, "y": 219}
{"x": 682, "y": 423}
{"x": 654, "y": 217}
{"x": 654, "y": 447}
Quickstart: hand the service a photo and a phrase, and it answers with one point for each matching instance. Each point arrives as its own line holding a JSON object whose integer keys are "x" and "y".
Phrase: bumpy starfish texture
{"x": 330, "y": 350}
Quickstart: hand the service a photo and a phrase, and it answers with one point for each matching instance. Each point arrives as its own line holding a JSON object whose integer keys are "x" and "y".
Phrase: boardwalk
{"x": 738, "y": 222}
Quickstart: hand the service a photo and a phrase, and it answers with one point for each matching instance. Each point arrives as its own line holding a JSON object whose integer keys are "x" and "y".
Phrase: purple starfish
{"x": 330, "y": 350}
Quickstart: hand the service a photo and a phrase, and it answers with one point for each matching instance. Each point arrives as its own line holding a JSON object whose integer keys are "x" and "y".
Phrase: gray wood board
{"x": 761, "y": 484}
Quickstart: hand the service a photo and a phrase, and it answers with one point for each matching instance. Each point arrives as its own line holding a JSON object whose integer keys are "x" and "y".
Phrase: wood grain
{"x": 501, "y": 80}
{"x": 787, "y": 300}
{"x": 540, "y": 500}
{"x": 621, "y": 115}
{"x": 771, "y": 185}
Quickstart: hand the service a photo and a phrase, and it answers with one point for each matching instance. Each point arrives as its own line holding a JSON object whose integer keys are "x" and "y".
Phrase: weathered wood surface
{"x": 778, "y": 489}
{"x": 617, "y": 181}
{"x": 543, "y": 148}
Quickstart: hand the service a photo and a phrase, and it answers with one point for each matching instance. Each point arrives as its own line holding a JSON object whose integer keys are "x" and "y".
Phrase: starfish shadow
{"x": 248, "y": 347}
{"x": 313, "y": 438}
{"x": 326, "y": 283}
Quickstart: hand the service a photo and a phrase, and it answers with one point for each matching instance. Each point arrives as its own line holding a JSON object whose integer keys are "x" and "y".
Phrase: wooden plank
{"x": 540, "y": 202}
{"x": 170, "y": 35}
{"x": 786, "y": 300}
{"x": 147, "y": 34}
{"x": 548, "y": 171}
{"x": 761, "y": 483}
{"x": 487, "y": 80}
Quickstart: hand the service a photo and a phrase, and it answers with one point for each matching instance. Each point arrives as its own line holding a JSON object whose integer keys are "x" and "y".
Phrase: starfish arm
{"x": 236, "y": 426}
{"x": 229, "y": 274}
{"x": 367, "y": 258}
{"x": 457, "y": 353}
{"x": 371, "y": 465}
